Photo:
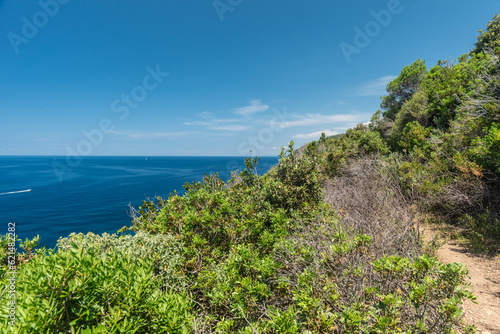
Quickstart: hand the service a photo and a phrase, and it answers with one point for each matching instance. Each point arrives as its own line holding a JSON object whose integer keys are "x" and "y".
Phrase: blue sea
{"x": 93, "y": 194}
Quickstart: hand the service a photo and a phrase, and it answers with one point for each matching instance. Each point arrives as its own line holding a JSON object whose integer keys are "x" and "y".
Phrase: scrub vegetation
{"x": 326, "y": 242}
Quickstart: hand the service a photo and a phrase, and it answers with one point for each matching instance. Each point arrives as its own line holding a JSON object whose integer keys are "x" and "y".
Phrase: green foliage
{"x": 263, "y": 253}
{"x": 227, "y": 232}
{"x": 78, "y": 290}
{"x": 249, "y": 174}
{"x": 482, "y": 231}
{"x": 10, "y": 253}
{"x": 294, "y": 182}
{"x": 6, "y": 246}
{"x": 413, "y": 110}
{"x": 489, "y": 39}
{"x": 354, "y": 143}
{"x": 447, "y": 129}
{"x": 447, "y": 84}
{"x": 485, "y": 150}
{"x": 414, "y": 136}
{"x": 403, "y": 87}
{"x": 29, "y": 247}
{"x": 162, "y": 251}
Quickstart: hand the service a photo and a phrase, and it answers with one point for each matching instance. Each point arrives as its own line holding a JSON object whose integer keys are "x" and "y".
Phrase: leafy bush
{"x": 482, "y": 231}
{"x": 293, "y": 182}
{"x": 77, "y": 290}
{"x": 337, "y": 282}
{"x": 413, "y": 110}
{"x": 162, "y": 251}
{"x": 356, "y": 142}
{"x": 486, "y": 150}
{"x": 265, "y": 254}
{"x": 414, "y": 136}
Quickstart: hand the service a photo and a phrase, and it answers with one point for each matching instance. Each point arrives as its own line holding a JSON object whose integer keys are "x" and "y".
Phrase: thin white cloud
{"x": 228, "y": 124}
{"x": 137, "y": 135}
{"x": 220, "y": 134}
{"x": 337, "y": 103}
{"x": 316, "y": 134}
{"x": 254, "y": 107}
{"x": 205, "y": 114}
{"x": 197, "y": 123}
{"x": 319, "y": 119}
{"x": 375, "y": 87}
{"x": 234, "y": 127}
{"x": 220, "y": 124}
{"x": 210, "y": 121}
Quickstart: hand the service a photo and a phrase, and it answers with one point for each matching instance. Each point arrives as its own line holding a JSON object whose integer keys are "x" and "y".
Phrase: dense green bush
{"x": 294, "y": 182}
{"x": 486, "y": 149}
{"x": 482, "y": 231}
{"x": 162, "y": 251}
{"x": 355, "y": 143}
{"x": 264, "y": 254}
{"x": 76, "y": 290}
{"x": 444, "y": 122}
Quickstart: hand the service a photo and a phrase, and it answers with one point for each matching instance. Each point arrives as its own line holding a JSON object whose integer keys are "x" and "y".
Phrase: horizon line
{"x": 140, "y": 156}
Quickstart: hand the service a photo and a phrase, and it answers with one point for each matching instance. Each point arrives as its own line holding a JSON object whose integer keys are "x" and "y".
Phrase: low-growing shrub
{"x": 79, "y": 291}
{"x": 481, "y": 231}
{"x": 162, "y": 251}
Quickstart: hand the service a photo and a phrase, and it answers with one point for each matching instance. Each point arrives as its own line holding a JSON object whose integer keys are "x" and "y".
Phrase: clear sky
{"x": 164, "y": 77}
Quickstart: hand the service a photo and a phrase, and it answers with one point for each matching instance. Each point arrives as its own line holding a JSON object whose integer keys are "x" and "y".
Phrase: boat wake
{"x": 16, "y": 192}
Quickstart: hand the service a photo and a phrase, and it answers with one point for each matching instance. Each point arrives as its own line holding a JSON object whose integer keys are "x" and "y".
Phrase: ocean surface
{"x": 93, "y": 194}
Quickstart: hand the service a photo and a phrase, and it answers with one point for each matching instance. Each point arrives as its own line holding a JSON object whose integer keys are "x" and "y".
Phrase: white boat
{"x": 16, "y": 192}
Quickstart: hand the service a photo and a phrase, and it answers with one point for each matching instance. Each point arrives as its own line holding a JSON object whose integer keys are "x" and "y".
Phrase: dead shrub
{"x": 368, "y": 196}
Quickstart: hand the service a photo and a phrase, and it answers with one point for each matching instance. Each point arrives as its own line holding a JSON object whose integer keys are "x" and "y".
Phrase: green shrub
{"x": 294, "y": 182}
{"x": 355, "y": 143}
{"x": 162, "y": 251}
{"x": 482, "y": 231}
{"x": 414, "y": 136}
{"x": 80, "y": 291}
{"x": 486, "y": 150}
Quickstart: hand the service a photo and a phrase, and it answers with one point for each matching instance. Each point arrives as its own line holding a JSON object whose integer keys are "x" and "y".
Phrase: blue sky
{"x": 224, "y": 77}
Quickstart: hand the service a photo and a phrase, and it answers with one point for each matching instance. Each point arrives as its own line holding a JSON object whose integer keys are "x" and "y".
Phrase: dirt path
{"x": 485, "y": 279}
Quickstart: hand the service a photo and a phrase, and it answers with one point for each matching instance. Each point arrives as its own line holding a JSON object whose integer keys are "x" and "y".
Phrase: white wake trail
{"x": 16, "y": 192}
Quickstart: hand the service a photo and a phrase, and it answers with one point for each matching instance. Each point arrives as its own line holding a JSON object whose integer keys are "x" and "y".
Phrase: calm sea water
{"x": 93, "y": 195}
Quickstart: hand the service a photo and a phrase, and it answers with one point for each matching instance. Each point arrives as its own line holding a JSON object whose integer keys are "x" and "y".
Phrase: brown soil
{"x": 485, "y": 279}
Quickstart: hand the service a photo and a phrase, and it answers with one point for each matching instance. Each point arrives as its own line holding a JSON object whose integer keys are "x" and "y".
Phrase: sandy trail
{"x": 485, "y": 279}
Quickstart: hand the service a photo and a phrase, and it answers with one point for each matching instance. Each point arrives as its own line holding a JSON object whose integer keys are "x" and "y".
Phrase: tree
{"x": 489, "y": 39}
{"x": 413, "y": 110}
{"x": 402, "y": 88}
